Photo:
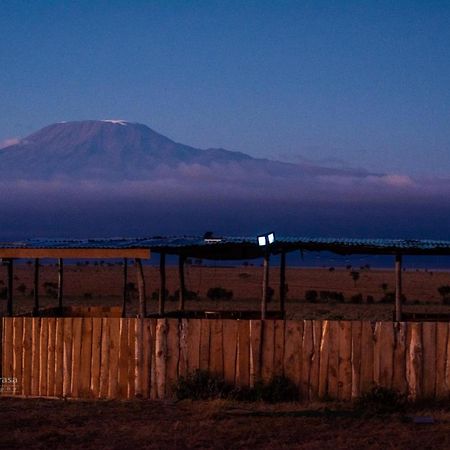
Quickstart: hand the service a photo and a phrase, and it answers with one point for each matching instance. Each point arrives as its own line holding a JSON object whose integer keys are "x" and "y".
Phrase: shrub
{"x": 87, "y": 295}
{"x": 219, "y": 293}
{"x": 332, "y": 296}
{"x": 370, "y": 299}
{"x": 3, "y": 293}
{"x": 22, "y": 288}
{"x": 201, "y": 385}
{"x": 444, "y": 292}
{"x": 311, "y": 296}
{"x": 381, "y": 400}
{"x": 279, "y": 389}
{"x": 155, "y": 295}
{"x": 188, "y": 295}
{"x": 270, "y": 293}
{"x": 357, "y": 298}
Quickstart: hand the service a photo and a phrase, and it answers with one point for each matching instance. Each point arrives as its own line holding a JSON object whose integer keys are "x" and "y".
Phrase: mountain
{"x": 120, "y": 150}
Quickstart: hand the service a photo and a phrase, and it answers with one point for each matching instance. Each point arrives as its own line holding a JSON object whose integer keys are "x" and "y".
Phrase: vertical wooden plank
{"x": 442, "y": 388}
{"x": 255, "y": 351}
{"x": 356, "y": 358}
{"x": 292, "y": 350}
{"x": 429, "y": 359}
{"x": 8, "y": 347}
{"x": 59, "y": 357}
{"x": 67, "y": 365}
{"x": 184, "y": 332}
{"x": 27, "y": 355}
{"x": 447, "y": 363}
{"x": 43, "y": 352}
{"x": 173, "y": 354}
{"x": 131, "y": 323}
{"x": 193, "y": 344}
{"x": 138, "y": 361}
{"x": 377, "y": 350}
{"x": 268, "y": 341}
{"x": 324, "y": 359}
{"x": 18, "y": 353}
{"x": 96, "y": 356}
{"x": 399, "y": 359}
{"x": 35, "y": 358}
{"x": 160, "y": 357}
{"x": 367, "y": 355}
{"x": 315, "y": 361}
{"x": 387, "y": 355}
{"x": 230, "y": 338}
{"x": 205, "y": 334}
{"x": 51, "y": 356}
{"x": 153, "y": 388}
{"x": 414, "y": 367}
{"x": 345, "y": 361}
{"x": 77, "y": 325}
{"x": 114, "y": 346}
{"x": 104, "y": 368}
{"x": 278, "y": 356}
{"x": 333, "y": 360}
{"x": 216, "y": 348}
{"x": 86, "y": 358}
{"x": 123, "y": 359}
{"x": 307, "y": 353}
{"x": 243, "y": 358}
{"x": 146, "y": 358}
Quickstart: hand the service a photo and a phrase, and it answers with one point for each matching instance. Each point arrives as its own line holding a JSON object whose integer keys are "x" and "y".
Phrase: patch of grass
{"x": 201, "y": 385}
{"x": 381, "y": 401}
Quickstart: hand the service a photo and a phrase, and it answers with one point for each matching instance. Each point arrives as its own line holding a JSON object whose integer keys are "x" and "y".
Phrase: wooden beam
{"x": 162, "y": 284}
{"x": 141, "y": 288}
{"x": 60, "y": 282}
{"x": 265, "y": 286}
{"x": 10, "y": 269}
{"x": 36, "y": 287}
{"x": 125, "y": 287}
{"x": 75, "y": 253}
{"x": 182, "y": 291}
{"x": 398, "y": 287}
{"x": 282, "y": 282}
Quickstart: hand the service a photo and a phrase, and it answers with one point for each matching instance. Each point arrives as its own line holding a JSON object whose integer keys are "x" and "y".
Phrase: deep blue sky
{"x": 364, "y": 82}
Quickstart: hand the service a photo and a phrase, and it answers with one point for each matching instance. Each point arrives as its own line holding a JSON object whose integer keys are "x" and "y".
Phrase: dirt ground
{"x": 44, "y": 424}
{"x": 100, "y": 283}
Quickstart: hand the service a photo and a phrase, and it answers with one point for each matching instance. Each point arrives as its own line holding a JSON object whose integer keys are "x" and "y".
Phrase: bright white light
{"x": 261, "y": 240}
{"x": 271, "y": 238}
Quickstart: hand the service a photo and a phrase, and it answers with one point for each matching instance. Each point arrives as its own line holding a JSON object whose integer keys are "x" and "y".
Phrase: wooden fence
{"x": 125, "y": 358}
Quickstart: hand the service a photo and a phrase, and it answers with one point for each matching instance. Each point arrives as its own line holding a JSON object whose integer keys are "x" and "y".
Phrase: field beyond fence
{"x": 111, "y": 357}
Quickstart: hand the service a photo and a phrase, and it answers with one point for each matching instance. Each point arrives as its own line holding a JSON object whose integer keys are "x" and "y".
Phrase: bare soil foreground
{"x": 45, "y": 424}
{"x": 368, "y": 297}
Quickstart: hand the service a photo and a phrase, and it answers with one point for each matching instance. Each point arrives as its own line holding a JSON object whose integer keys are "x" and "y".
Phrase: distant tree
{"x": 355, "y": 276}
{"x": 444, "y": 291}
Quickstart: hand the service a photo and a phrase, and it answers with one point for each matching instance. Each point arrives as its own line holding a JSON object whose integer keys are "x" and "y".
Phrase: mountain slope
{"x": 119, "y": 150}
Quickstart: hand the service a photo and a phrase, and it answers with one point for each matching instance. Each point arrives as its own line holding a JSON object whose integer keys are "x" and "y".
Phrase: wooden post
{"x": 265, "y": 286}
{"x": 398, "y": 287}
{"x": 141, "y": 288}
{"x": 282, "y": 283}
{"x": 60, "y": 282}
{"x": 36, "y": 287}
{"x": 181, "y": 260}
{"x": 125, "y": 287}
{"x": 10, "y": 287}
{"x": 162, "y": 285}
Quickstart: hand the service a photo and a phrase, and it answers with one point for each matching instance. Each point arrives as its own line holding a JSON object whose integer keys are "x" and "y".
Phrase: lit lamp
{"x": 265, "y": 240}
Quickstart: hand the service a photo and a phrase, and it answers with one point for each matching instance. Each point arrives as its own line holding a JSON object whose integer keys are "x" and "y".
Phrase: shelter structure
{"x": 203, "y": 247}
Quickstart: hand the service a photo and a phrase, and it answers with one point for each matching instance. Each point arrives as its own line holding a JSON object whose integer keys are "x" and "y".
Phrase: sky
{"x": 340, "y": 83}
